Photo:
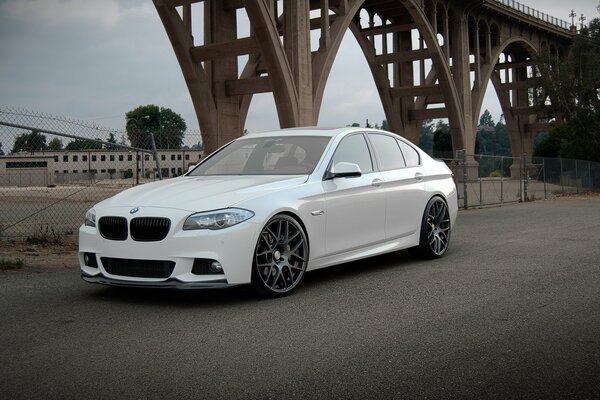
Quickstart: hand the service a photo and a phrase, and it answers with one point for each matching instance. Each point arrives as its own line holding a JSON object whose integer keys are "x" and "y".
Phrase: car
{"x": 266, "y": 208}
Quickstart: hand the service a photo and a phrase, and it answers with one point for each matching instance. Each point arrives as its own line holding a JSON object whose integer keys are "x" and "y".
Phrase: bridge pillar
{"x": 220, "y": 26}
{"x": 296, "y": 41}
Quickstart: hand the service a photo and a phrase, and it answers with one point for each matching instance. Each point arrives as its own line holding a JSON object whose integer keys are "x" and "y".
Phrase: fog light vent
{"x": 89, "y": 259}
{"x": 204, "y": 266}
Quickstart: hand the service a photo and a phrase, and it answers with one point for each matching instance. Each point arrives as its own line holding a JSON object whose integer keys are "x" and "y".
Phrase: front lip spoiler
{"x": 168, "y": 284}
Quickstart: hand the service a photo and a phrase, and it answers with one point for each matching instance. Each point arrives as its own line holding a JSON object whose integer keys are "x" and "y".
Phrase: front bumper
{"x": 232, "y": 247}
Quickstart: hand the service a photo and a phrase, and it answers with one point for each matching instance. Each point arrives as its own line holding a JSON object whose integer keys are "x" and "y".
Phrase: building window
{"x": 83, "y": 158}
{"x": 172, "y": 171}
{"x": 103, "y": 170}
{"x": 179, "y": 157}
{"x": 147, "y": 157}
{"x": 163, "y": 157}
{"x": 121, "y": 157}
{"x": 173, "y": 157}
{"x": 75, "y": 158}
{"x": 84, "y": 171}
{"x": 129, "y": 157}
{"x": 138, "y": 157}
{"x": 75, "y": 171}
{"x": 103, "y": 158}
{"x": 179, "y": 171}
{"x": 56, "y": 159}
{"x": 65, "y": 172}
{"x": 187, "y": 156}
{"x": 26, "y": 164}
{"x": 94, "y": 158}
{"x": 65, "y": 158}
{"x": 112, "y": 157}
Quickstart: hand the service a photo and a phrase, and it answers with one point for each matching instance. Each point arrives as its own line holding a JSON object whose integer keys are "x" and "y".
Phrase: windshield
{"x": 281, "y": 155}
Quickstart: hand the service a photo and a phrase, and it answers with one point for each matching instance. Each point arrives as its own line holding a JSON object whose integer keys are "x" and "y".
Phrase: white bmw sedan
{"x": 266, "y": 208}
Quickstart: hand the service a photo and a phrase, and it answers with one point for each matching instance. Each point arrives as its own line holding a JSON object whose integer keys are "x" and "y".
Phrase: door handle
{"x": 377, "y": 182}
{"x": 419, "y": 176}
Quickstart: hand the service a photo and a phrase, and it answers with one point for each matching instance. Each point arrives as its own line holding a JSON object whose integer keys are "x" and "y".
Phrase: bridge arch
{"x": 443, "y": 55}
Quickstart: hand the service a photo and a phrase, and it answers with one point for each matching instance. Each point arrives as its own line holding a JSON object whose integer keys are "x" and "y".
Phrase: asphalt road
{"x": 512, "y": 311}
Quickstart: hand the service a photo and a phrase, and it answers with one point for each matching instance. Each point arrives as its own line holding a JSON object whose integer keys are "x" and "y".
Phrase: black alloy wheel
{"x": 280, "y": 257}
{"x": 435, "y": 229}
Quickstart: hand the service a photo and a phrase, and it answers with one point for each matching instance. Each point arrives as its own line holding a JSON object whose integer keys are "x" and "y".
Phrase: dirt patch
{"x": 38, "y": 257}
{"x": 577, "y": 196}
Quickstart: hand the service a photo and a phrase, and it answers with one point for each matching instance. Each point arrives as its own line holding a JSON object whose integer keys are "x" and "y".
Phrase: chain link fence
{"x": 484, "y": 180}
{"x": 53, "y": 169}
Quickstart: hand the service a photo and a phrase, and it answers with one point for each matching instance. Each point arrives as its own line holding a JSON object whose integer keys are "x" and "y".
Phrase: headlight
{"x": 90, "y": 218}
{"x": 217, "y": 219}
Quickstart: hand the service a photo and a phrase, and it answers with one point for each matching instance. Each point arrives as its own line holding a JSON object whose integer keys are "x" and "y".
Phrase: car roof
{"x": 312, "y": 131}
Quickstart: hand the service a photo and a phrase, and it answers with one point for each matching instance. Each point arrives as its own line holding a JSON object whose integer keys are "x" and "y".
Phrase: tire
{"x": 435, "y": 230}
{"x": 280, "y": 257}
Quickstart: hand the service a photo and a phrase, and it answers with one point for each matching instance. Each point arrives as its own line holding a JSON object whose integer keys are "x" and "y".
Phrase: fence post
{"x": 465, "y": 179}
{"x": 562, "y": 181}
{"x": 501, "y": 179}
{"x": 544, "y": 177}
{"x": 576, "y": 178}
{"x": 526, "y": 178}
{"x": 590, "y": 182}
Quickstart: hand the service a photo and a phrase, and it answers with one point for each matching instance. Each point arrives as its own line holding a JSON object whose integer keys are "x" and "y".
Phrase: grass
{"x": 6, "y": 264}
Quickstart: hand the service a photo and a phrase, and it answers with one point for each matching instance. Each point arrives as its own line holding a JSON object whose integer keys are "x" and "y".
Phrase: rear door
{"x": 404, "y": 186}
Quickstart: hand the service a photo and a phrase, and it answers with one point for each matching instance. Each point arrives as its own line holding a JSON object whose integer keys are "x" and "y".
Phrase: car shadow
{"x": 244, "y": 294}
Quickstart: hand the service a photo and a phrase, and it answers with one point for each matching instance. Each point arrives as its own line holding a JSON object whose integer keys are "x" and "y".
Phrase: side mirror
{"x": 344, "y": 170}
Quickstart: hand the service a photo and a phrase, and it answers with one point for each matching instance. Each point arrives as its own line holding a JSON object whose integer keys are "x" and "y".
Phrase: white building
{"x": 45, "y": 168}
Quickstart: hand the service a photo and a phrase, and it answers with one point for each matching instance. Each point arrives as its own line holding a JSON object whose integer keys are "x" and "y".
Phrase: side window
{"x": 388, "y": 152}
{"x": 354, "y": 149}
{"x": 410, "y": 155}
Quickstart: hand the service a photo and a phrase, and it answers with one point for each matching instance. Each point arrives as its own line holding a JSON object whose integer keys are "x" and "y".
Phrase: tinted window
{"x": 388, "y": 152}
{"x": 410, "y": 155}
{"x": 354, "y": 149}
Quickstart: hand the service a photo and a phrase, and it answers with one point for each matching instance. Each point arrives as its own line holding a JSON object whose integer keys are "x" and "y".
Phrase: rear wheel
{"x": 280, "y": 257}
{"x": 435, "y": 230}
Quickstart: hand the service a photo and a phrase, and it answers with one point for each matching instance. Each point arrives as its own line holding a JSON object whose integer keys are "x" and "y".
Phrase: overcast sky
{"x": 95, "y": 60}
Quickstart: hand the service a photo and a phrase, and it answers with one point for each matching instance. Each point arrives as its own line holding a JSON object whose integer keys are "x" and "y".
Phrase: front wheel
{"x": 435, "y": 230}
{"x": 280, "y": 257}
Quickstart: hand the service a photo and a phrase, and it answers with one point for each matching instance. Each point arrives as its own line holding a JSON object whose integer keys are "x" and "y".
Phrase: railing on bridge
{"x": 535, "y": 13}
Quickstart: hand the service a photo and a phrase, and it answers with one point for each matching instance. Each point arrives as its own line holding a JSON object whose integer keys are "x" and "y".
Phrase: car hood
{"x": 197, "y": 193}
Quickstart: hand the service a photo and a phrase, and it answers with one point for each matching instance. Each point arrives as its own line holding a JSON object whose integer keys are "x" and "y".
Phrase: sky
{"x": 95, "y": 60}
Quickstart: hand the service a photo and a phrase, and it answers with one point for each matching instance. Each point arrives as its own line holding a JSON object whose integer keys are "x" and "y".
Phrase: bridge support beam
{"x": 429, "y": 59}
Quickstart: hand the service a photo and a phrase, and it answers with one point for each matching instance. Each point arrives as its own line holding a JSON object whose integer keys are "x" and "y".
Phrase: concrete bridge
{"x": 429, "y": 59}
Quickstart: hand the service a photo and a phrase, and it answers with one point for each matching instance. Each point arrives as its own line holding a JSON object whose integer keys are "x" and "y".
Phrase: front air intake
{"x": 138, "y": 268}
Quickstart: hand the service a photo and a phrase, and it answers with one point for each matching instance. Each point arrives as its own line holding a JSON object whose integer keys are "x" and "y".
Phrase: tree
{"x": 55, "y": 144}
{"x": 442, "y": 140}
{"x": 111, "y": 139}
{"x": 167, "y": 126}
{"x": 83, "y": 144}
{"x": 384, "y": 125}
{"x": 426, "y": 136}
{"x": 33, "y": 141}
{"x": 571, "y": 85}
